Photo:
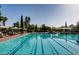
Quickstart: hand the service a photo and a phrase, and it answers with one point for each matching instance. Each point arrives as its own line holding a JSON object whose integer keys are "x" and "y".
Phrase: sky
{"x": 49, "y": 14}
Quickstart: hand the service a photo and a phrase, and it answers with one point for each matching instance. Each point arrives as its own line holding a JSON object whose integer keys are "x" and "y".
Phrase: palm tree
{"x": 4, "y": 20}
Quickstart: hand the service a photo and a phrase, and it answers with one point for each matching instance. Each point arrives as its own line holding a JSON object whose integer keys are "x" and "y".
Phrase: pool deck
{"x": 10, "y": 37}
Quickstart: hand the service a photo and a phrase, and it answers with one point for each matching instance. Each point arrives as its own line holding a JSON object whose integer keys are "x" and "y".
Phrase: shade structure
{"x": 3, "y": 27}
{"x": 15, "y": 28}
{"x": 68, "y": 28}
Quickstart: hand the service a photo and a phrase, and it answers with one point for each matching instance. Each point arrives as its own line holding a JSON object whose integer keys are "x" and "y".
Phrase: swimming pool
{"x": 41, "y": 44}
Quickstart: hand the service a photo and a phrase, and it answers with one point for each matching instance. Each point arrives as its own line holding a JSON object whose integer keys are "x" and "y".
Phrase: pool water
{"x": 41, "y": 44}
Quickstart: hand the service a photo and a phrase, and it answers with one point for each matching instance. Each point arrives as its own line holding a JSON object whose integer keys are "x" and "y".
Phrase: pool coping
{"x": 11, "y": 37}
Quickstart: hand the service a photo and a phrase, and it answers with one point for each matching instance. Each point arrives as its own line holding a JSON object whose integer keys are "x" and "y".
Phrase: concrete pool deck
{"x": 11, "y": 37}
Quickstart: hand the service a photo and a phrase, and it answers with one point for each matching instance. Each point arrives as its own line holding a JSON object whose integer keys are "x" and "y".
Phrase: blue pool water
{"x": 41, "y": 44}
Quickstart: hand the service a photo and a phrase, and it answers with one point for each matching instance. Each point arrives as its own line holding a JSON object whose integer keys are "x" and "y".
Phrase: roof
{"x": 2, "y": 27}
{"x": 66, "y": 28}
{"x": 15, "y": 28}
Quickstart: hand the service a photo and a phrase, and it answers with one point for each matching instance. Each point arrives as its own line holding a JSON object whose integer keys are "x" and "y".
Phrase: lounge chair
{"x": 1, "y": 34}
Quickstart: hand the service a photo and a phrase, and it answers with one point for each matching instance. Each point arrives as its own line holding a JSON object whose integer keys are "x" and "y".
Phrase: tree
{"x": 0, "y": 5}
{"x": 27, "y": 19}
{"x": 4, "y": 20}
{"x": 49, "y": 29}
{"x": 1, "y": 19}
{"x": 44, "y": 28}
{"x": 77, "y": 26}
{"x": 71, "y": 25}
{"x": 16, "y": 24}
{"x": 31, "y": 28}
{"x": 0, "y": 13}
{"x": 0, "y": 10}
{"x": 62, "y": 27}
{"x": 21, "y": 23}
{"x": 24, "y": 24}
{"x": 27, "y": 22}
{"x": 36, "y": 28}
{"x": 65, "y": 24}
